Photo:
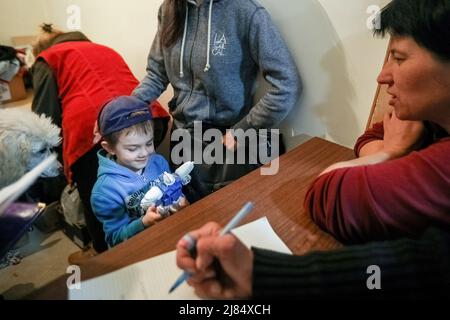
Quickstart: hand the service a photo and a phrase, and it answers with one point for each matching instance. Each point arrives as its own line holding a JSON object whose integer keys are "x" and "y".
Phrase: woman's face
{"x": 418, "y": 82}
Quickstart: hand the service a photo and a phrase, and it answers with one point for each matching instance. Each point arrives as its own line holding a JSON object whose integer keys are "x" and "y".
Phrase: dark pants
{"x": 208, "y": 178}
{"x": 84, "y": 172}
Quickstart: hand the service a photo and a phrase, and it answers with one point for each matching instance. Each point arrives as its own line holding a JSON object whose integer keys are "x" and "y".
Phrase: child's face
{"x": 133, "y": 150}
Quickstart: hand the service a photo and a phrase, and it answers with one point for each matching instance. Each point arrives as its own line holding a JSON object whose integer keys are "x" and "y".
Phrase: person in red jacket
{"x": 72, "y": 79}
{"x": 400, "y": 184}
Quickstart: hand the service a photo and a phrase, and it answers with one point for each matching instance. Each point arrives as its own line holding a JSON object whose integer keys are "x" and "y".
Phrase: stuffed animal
{"x": 25, "y": 140}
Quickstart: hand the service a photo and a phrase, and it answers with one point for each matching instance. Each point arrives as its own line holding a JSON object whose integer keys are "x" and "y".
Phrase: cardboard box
{"x": 22, "y": 41}
{"x": 14, "y": 90}
{"x": 5, "y": 93}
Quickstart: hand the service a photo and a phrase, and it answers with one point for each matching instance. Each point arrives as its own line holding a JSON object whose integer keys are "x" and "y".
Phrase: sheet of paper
{"x": 152, "y": 278}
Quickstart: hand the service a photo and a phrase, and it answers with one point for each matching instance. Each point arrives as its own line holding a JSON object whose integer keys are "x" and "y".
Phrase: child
{"x": 127, "y": 166}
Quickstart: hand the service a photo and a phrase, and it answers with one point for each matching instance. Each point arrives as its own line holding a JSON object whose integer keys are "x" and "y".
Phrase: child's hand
{"x": 151, "y": 217}
{"x": 184, "y": 203}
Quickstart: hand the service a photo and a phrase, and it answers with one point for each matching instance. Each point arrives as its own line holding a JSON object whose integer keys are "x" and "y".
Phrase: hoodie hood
{"x": 198, "y": 3}
{"x": 195, "y": 2}
{"x": 108, "y": 166}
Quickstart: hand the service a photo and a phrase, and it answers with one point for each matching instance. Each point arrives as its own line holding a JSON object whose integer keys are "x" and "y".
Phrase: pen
{"x": 192, "y": 242}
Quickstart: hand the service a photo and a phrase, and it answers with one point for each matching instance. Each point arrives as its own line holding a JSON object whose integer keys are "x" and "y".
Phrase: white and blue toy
{"x": 167, "y": 194}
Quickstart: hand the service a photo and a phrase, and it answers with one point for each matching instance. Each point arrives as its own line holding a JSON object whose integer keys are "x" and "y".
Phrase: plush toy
{"x": 167, "y": 194}
{"x": 26, "y": 139}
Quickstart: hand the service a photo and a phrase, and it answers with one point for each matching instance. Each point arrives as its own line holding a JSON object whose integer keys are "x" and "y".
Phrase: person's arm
{"x": 117, "y": 224}
{"x": 46, "y": 97}
{"x": 236, "y": 261}
{"x": 278, "y": 68}
{"x": 399, "y": 139}
{"x": 371, "y": 147}
{"x": 407, "y": 269}
{"x": 156, "y": 80}
{"x": 373, "y": 135}
{"x": 372, "y": 140}
{"x": 391, "y": 199}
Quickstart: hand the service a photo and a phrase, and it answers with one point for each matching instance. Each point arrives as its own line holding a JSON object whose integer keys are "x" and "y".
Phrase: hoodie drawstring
{"x": 183, "y": 42}
{"x": 207, "y": 66}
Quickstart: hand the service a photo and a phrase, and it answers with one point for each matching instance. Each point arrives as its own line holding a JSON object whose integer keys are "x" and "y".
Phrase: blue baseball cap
{"x": 116, "y": 114}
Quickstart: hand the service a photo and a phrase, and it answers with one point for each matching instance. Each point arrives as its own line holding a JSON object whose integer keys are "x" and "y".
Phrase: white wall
{"x": 335, "y": 52}
{"x": 126, "y": 26}
{"x": 338, "y": 59}
{"x": 20, "y": 18}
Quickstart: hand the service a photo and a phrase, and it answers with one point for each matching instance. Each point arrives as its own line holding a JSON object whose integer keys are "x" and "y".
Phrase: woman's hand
{"x": 401, "y": 136}
{"x": 223, "y": 266}
{"x": 229, "y": 141}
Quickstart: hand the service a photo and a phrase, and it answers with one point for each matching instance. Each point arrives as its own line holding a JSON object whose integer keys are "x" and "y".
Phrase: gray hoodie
{"x": 213, "y": 67}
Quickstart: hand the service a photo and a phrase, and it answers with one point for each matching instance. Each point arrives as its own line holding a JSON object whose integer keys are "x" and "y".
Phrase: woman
{"x": 400, "y": 184}
{"x": 210, "y": 52}
{"x": 418, "y": 75}
{"x": 73, "y": 78}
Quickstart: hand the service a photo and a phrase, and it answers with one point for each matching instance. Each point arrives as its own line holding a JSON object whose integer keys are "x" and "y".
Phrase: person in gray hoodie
{"x": 210, "y": 51}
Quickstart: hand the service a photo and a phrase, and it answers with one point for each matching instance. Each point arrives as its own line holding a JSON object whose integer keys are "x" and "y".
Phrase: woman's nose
{"x": 385, "y": 76}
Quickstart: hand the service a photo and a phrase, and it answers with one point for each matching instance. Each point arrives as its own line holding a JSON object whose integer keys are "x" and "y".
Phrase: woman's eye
{"x": 398, "y": 59}
{"x": 131, "y": 149}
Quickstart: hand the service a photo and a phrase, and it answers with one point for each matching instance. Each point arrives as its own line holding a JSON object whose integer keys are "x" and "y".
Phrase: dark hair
{"x": 426, "y": 21}
{"x": 144, "y": 127}
{"x": 173, "y": 22}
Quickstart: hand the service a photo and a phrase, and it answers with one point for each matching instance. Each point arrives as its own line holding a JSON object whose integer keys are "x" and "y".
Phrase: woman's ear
{"x": 107, "y": 147}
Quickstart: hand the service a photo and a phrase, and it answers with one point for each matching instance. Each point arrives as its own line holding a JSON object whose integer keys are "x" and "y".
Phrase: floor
{"x": 44, "y": 259}
{"x": 44, "y": 254}
{"x": 24, "y": 103}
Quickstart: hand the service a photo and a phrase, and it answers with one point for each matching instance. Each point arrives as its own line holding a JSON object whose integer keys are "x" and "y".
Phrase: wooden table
{"x": 279, "y": 197}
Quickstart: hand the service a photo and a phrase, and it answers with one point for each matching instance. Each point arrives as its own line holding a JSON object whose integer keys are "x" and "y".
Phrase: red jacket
{"x": 87, "y": 75}
{"x": 401, "y": 197}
